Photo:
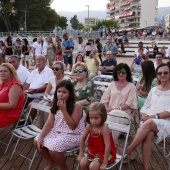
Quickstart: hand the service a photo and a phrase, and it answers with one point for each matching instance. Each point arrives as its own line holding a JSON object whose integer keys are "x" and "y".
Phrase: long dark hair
{"x": 149, "y": 74}
{"x": 71, "y": 100}
{"x": 119, "y": 67}
{"x": 25, "y": 41}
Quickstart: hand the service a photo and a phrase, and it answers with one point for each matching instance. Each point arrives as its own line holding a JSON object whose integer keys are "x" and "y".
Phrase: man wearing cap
{"x": 22, "y": 72}
{"x": 109, "y": 46}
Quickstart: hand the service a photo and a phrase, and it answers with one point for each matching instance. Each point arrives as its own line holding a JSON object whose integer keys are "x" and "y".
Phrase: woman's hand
{"x": 79, "y": 158}
{"x": 146, "y": 117}
{"x": 40, "y": 143}
{"x": 140, "y": 93}
{"x": 103, "y": 167}
{"x": 62, "y": 105}
{"x": 139, "y": 86}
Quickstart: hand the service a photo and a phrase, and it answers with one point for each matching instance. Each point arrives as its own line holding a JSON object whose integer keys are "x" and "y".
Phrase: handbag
{"x": 22, "y": 56}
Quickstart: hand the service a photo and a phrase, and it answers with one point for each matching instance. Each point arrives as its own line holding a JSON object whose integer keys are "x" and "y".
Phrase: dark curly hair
{"x": 119, "y": 67}
{"x": 71, "y": 100}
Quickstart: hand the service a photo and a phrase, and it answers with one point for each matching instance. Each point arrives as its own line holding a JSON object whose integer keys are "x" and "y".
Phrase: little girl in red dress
{"x": 100, "y": 149}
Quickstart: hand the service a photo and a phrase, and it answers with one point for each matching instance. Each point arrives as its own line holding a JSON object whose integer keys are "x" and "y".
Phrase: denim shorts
{"x": 68, "y": 59}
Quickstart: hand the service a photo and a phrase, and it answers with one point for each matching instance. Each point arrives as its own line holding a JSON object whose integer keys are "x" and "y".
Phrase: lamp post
{"x": 88, "y": 16}
{"x": 146, "y": 23}
{"x": 25, "y": 22}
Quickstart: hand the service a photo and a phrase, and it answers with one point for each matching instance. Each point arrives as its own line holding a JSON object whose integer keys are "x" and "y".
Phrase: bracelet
{"x": 81, "y": 154}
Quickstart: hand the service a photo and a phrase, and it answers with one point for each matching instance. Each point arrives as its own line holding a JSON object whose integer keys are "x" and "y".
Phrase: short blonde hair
{"x": 84, "y": 65}
{"x": 12, "y": 71}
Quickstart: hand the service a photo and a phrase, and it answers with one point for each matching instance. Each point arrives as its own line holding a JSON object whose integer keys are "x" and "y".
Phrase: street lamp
{"x": 146, "y": 23}
{"x": 88, "y": 16}
{"x": 25, "y": 22}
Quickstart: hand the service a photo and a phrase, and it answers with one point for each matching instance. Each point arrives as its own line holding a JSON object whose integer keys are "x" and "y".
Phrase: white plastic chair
{"x": 121, "y": 128}
{"x": 27, "y": 131}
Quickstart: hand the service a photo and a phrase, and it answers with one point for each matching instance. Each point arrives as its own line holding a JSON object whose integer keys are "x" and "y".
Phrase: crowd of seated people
{"x": 68, "y": 99}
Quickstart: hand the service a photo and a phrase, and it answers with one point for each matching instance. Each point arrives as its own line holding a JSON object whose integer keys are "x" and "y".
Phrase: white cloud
{"x": 79, "y": 5}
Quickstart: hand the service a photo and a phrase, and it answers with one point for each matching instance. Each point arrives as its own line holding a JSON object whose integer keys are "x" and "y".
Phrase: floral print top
{"x": 85, "y": 92}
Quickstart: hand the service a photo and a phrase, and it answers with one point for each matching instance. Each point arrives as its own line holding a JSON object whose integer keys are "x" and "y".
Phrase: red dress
{"x": 95, "y": 148}
{"x": 11, "y": 116}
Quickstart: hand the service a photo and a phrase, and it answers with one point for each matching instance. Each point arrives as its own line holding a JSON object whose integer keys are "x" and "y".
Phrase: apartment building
{"x": 167, "y": 21}
{"x": 92, "y": 21}
{"x": 133, "y": 13}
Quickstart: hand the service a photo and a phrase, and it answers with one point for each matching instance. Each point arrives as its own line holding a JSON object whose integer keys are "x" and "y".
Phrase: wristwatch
{"x": 157, "y": 115}
{"x": 35, "y": 90}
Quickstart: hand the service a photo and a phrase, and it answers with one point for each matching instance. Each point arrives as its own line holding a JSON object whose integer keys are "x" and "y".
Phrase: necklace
{"x": 95, "y": 136}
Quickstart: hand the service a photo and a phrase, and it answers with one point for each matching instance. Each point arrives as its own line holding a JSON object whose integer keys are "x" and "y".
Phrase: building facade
{"x": 167, "y": 21}
{"x": 92, "y": 21}
{"x": 133, "y": 13}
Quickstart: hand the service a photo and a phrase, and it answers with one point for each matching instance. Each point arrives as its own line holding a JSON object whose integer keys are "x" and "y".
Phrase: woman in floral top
{"x": 84, "y": 88}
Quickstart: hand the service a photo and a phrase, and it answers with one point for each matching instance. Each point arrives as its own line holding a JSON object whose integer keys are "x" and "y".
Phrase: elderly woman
{"x": 155, "y": 115}
{"x": 84, "y": 88}
{"x": 11, "y": 95}
{"x": 120, "y": 96}
{"x": 58, "y": 70}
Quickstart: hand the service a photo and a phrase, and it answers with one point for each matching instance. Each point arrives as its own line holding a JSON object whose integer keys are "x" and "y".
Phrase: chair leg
{"x": 32, "y": 160}
{"x": 14, "y": 149}
{"x": 8, "y": 144}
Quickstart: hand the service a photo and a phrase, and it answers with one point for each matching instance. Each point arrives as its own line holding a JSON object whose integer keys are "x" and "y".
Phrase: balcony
{"x": 124, "y": 4}
{"x": 126, "y": 14}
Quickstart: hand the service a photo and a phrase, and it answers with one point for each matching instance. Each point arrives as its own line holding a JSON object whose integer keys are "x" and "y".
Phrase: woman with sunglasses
{"x": 155, "y": 116}
{"x": 84, "y": 88}
{"x": 120, "y": 96}
{"x": 58, "y": 70}
{"x": 141, "y": 50}
{"x": 79, "y": 58}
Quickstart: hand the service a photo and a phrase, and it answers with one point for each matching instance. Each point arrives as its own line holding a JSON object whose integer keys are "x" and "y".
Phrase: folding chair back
{"x": 121, "y": 128}
{"x": 27, "y": 131}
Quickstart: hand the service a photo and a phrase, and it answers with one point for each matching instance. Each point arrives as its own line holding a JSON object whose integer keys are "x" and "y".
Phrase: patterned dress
{"x": 61, "y": 137}
{"x": 96, "y": 148}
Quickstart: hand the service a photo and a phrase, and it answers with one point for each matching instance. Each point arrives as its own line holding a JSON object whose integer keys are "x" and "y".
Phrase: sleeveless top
{"x": 6, "y": 116}
{"x": 24, "y": 48}
{"x": 9, "y": 50}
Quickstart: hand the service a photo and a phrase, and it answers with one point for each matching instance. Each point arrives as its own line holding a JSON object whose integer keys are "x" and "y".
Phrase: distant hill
{"x": 82, "y": 14}
{"x": 162, "y": 12}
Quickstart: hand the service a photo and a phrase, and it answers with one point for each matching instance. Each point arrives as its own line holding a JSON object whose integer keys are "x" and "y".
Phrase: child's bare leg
{"x": 94, "y": 165}
{"x": 84, "y": 164}
{"x": 59, "y": 159}
{"x": 45, "y": 153}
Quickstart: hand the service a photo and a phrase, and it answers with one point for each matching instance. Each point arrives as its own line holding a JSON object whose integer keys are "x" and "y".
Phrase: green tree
{"x": 39, "y": 15}
{"x": 62, "y": 22}
{"x": 74, "y": 22}
{"x": 80, "y": 26}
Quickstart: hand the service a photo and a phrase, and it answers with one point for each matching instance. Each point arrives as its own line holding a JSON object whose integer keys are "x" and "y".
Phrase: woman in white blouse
{"x": 155, "y": 115}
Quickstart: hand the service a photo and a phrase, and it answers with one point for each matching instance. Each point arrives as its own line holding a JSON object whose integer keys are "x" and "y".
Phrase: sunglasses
{"x": 79, "y": 71}
{"x": 163, "y": 72}
{"x": 121, "y": 72}
{"x": 55, "y": 68}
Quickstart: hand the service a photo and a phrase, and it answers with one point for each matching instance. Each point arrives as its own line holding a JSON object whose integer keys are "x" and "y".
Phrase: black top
{"x": 108, "y": 63}
{"x": 24, "y": 48}
{"x": 9, "y": 50}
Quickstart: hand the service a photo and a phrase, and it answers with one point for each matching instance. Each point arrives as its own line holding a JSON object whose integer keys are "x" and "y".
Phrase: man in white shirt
{"x": 37, "y": 48}
{"x": 38, "y": 80}
{"x": 168, "y": 52}
{"x": 22, "y": 72}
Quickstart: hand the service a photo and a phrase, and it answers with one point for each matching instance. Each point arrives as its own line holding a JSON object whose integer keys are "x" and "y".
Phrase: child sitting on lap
{"x": 100, "y": 149}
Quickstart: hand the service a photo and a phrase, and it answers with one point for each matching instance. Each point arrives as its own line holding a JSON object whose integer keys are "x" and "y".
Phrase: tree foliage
{"x": 74, "y": 22}
{"x": 106, "y": 23}
{"x": 39, "y": 15}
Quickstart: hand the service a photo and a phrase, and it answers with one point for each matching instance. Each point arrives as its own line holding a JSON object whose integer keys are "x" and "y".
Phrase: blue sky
{"x": 79, "y": 5}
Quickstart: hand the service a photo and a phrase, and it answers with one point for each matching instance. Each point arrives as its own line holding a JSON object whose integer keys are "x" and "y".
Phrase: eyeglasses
{"x": 162, "y": 72}
{"x": 79, "y": 71}
{"x": 140, "y": 46}
{"x": 108, "y": 54}
{"x": 55, "y": 68}
{"x": 121, "y": 72}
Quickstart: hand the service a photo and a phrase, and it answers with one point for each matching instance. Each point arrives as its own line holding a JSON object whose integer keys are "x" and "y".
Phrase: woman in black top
{"x": 25, "y": 53}
{"x": 99, "y": 47}
{"x": 9, "y": 47}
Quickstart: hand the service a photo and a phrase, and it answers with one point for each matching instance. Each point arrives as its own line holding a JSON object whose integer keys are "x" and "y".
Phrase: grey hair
{"x": 61, "y": 65}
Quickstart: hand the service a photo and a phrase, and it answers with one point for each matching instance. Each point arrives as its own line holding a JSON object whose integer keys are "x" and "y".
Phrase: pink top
{"x": 114, "y": 97}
